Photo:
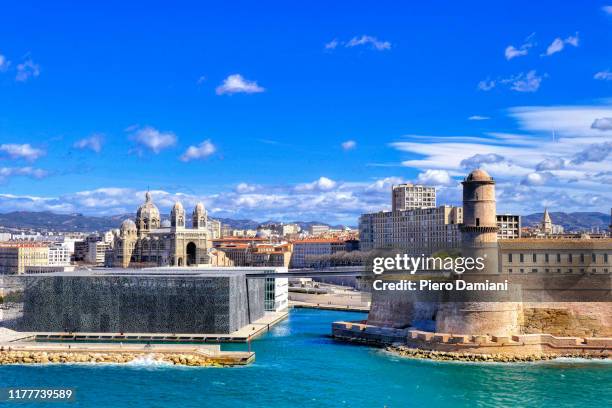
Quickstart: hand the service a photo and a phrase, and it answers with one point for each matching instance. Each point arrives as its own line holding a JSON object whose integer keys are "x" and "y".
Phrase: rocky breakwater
{"x": 44, "y": 357}
{"x": 409, "y": 352}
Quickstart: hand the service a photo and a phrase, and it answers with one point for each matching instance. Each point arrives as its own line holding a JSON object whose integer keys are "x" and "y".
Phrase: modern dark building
{"x": 141, "y": 301}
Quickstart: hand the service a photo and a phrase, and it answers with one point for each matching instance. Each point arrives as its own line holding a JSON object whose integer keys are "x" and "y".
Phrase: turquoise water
{"x": 297, "y": 365}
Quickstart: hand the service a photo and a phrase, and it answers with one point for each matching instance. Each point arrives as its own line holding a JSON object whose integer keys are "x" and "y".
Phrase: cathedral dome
{"x": 148, "y": 210}
{"x": 479, "y": 175}
{"x": 128, "y": 225}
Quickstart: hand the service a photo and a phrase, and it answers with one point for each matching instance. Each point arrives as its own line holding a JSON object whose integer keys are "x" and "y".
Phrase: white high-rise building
{"x": 412, "y": 196}
{"x": 59, "y": 255}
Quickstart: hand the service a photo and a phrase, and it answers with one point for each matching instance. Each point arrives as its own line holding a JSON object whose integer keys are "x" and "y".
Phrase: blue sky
{"x": 302, "y": 111}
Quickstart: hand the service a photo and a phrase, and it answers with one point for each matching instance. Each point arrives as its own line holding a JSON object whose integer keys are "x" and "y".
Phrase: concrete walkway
{"x": 243, "y": 335}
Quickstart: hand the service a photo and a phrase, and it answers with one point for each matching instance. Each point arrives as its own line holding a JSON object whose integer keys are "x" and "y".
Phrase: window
{"x": 546, "y": 258}
{"x": 534, "y": 270}
{"x": 477, "y": 222}
{"x": 593, "y": 258}
{"x": 581, "y": 258}
{"x": 510, "y": 258}
{"x": 570, "y": 258}
{"x": 521, "y": 258}
{"x": 558, "y": 258}
{"x": 535, "y": 258}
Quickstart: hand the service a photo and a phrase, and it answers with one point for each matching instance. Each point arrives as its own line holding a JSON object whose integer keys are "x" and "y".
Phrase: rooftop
{"x": 556, "y": 243}
{"x": 195, "y": 272}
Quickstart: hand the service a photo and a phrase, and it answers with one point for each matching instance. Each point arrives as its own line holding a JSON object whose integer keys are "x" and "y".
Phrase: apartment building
{"x": 417, "y": 231}
{"x": 412, "y": 196}
{"x": 16, "y": 257}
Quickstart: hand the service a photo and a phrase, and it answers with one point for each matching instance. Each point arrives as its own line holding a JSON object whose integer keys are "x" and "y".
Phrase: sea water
{"x": 298, "y": 365}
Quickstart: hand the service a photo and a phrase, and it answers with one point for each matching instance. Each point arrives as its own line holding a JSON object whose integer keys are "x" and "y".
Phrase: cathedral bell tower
{"x": 177, "y": 216}
{"x": 199, "y": 217}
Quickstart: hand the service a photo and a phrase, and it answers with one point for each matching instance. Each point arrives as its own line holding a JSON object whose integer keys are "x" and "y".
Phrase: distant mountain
{"x": 59, "y": 222}
{"x": 571, "y": 222}
{"x": 238, "y": 224}
{"x": 85, "y": 223}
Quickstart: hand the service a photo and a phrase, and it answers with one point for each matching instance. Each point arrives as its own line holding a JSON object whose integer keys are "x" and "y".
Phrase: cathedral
{"x": 151, "y": 242}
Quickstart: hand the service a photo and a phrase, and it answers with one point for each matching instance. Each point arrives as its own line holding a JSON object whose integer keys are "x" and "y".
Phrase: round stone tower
{"x": 470, "y": 312}
{"x": 479, "y": 229}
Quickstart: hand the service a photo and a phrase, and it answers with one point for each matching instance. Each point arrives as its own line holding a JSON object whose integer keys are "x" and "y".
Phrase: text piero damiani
{"x": 411, "y": 265}
{"x": 429, "y": 285}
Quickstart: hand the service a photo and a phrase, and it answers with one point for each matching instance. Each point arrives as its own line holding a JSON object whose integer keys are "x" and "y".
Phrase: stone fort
{"x": 529, "y": 306}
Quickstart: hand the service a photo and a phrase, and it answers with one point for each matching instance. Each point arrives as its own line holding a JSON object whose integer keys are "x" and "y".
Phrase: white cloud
{"x": 512, "y": 52}
{"x": 596, "y": 152}
{"x": 602, "y": 124}
{"x": 477, "y": 160}
{"x": 558, "y": 44}
{"x": 322, "y": 184}
{"x": 555, "y": 157}
{"x": 478, "y": 117}
{"x": 384, "y": 184}
{"x": 551, "y": 163}
{"x": 521, "y": 82}
{"x": 26, "y": 70}
{"x": 332, "y": 44}
{"x": 603, "y": 75}
{"x": 21, "y": 151}
{"x": 364, "y": 40}
{"x": 435, "y": 178}
{"x": 201, "y": 151}
{"x": 237, "y": 84}
{"x": 4, "y": 63}
{"x": 529, "y": 82}
{"x": 564, "y": 121}
{"x": 93, "y": 142}
{"x": 607, "y": 9}
{"x": 152, "y": 139}
{"x": 349, "y": 145}
{"x": 7, "y": 172}
{"x": 245, "y": 188}
{"x": 201, "y": 80}
{"x": 486, "y": 85}
{"x": 537, "y": 179}
{"x": 367, "y": 39}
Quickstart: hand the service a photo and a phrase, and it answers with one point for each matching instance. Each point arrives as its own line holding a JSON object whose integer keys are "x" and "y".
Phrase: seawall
{"x": 536, "y": 345}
